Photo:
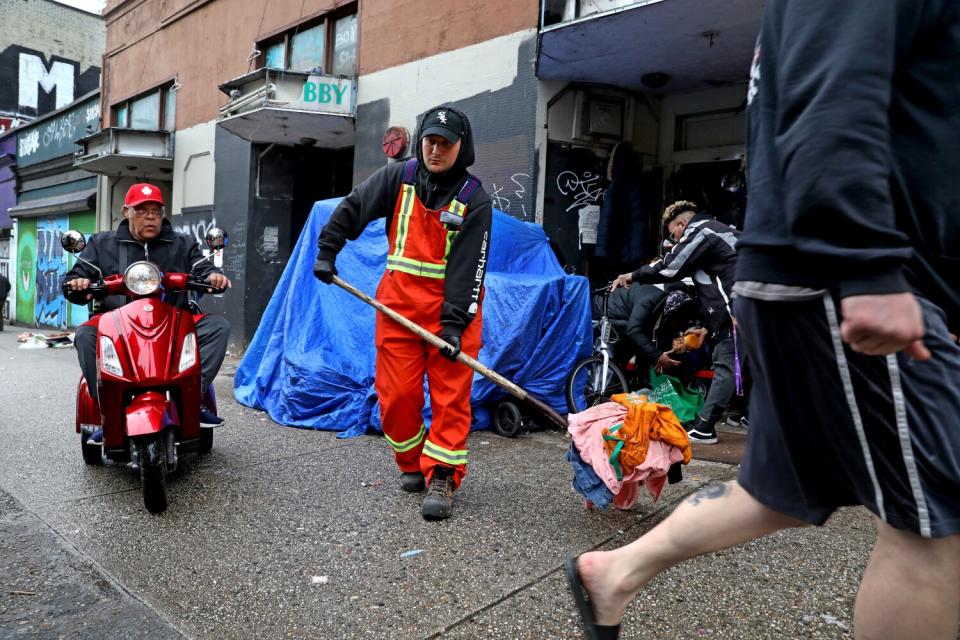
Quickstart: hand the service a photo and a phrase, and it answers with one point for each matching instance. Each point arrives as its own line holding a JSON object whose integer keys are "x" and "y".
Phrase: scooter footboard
{"x": 150, "y": 412}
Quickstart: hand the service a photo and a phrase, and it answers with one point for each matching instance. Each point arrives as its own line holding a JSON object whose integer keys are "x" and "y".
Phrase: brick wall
{"x": 50, "y": 54}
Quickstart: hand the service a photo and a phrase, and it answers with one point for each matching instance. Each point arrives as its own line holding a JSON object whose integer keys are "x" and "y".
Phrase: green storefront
{"x": 54, "y": 197}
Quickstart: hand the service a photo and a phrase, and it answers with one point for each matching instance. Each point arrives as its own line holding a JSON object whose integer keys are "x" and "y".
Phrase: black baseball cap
{"x": 443, "y": 122}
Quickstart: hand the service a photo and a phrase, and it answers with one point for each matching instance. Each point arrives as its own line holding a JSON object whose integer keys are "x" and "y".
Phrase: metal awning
{"x": 135, "y": 153}
{"x": 699, "y": 43}
{"x": 60, "y": 203}
{"x": 290, "y": 107}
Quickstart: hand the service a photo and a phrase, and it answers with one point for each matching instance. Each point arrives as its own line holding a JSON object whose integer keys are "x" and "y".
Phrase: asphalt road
{"x": 287, "y": 533}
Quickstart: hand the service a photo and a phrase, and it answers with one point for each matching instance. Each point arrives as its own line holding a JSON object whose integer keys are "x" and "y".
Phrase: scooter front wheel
{"x": 153, "y": 473}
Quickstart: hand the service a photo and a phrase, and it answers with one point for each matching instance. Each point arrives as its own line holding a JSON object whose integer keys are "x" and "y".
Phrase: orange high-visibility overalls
{"x": 413, "y": 285}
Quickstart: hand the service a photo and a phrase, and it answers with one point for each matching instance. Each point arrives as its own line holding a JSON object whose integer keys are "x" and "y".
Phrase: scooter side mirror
{"x": 216, "y": 238}
{"x": 73, "y": 241}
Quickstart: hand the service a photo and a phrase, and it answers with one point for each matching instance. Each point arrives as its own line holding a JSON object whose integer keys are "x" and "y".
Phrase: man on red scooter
{"x": 145, "y": 234}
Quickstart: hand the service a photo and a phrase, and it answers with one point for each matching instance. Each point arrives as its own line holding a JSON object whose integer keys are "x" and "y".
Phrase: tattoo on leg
{"x": 709, "y": 492}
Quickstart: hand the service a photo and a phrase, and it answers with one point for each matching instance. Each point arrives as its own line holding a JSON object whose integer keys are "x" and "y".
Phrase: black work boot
{"x": 412, "y": 482}
{"x": 439, "y": 500}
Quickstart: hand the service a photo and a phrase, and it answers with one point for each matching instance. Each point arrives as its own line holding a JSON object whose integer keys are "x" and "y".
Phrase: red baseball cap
{"x": 142, "y": 192}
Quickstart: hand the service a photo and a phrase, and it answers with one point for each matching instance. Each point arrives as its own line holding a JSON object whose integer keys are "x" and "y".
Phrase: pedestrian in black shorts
{"x": 847, "y": 302}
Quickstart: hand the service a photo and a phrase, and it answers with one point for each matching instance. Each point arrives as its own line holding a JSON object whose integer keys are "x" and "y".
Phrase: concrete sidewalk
{"x": 287, "y": 533}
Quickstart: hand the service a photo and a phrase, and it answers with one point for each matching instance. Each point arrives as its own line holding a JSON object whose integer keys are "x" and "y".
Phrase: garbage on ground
{"x": 28, "y": 340}
{"x": 413, "y": 553}
{"x": 320, "y": 579}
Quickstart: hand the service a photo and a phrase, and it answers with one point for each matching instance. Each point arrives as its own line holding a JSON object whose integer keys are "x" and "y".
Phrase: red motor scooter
{"x": 148, "y": 373}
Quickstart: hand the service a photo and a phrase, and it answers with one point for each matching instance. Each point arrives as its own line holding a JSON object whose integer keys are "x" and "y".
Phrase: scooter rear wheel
{"x": 153, "y": 474}
{"x": 92, "y": 453}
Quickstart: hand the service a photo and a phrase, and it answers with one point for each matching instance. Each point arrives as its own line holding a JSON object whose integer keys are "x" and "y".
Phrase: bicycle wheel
{"x": 585, "y": 388}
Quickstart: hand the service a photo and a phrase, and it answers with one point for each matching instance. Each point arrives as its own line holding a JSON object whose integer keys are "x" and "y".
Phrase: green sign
{"x": 26, "y": 269}
{"x": 54, "y": 137}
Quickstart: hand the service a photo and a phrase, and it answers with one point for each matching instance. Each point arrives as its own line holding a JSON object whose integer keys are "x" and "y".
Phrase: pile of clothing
{"x": 621, "y": 445}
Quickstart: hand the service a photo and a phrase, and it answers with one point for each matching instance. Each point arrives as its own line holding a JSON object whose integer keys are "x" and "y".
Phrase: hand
{"x": 623, "y": 280}
{"x": 879, "y": 325}
{"x": 219, "y": 281}
{"x": 324, "y": 270}
{"x": 665, "y": 362}
{"x": 451, "y": 352}
{"x": 79, "y": 284}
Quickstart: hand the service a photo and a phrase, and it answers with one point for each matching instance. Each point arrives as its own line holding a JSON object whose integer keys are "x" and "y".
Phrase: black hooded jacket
{"x": 854, "y": 149}
{"x": 376, "y": 197}
{"x": 171, "y": 251}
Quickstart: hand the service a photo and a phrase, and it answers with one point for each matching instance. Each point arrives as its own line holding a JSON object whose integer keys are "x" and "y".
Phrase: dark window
{"x": 327, "y": 44}
{"x": 151, "y": 111}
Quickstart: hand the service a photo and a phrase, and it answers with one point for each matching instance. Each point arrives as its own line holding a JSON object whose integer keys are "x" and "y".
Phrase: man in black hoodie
{"x": 847, "y": 295}
{"x": 438, "y": 226}
{"x": 706, "y": 251}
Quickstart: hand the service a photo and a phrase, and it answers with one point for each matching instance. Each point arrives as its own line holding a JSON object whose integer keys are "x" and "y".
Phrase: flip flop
{"x": 594, "y": 631}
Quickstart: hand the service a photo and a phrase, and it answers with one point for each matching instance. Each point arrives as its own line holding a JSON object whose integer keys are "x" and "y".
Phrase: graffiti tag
{"x": 502, "y": 200}
{"x": 51, "y": 306}
{"x": 29, "y": 143}
{"x": 584, "y": 189}
{"x": 197, "y": 230}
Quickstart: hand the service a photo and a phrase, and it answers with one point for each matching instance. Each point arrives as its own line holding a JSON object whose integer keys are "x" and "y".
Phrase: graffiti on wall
{"x": 579, "y": 189}
{"x": 26, "y": 269}
{"x": 196, "y": 228}
{"x": 511, "y": 198}
{"x": 34, "y": 84}
{"x": 50, "y": 307}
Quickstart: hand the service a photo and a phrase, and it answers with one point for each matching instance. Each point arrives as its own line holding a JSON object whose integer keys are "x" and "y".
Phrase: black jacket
{"x": 634, "y": 310}
{"x": 707, "y": 253}
{"x": 853, "y": 155}
{"x": 376, "y": 197}
{"x": 4, "y": 288}
{"x": 171, "y": 251}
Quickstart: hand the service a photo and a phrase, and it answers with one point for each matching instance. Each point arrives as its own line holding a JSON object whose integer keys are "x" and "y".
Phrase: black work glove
{"x": 451, "y": 352}
{"x": 324, "y": 270}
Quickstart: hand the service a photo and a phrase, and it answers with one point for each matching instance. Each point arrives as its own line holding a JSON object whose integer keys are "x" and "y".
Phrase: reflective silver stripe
{"x": 906, "y": 446}
{"x": 407, "y": 445}
{"x": 445, "y": 455}
{"x": 727, "y": 236}
{"x": 852, "y": 400}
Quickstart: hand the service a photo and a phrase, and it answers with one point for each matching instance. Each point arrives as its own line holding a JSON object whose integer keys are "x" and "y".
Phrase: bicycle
{"x": 595, "y": 378}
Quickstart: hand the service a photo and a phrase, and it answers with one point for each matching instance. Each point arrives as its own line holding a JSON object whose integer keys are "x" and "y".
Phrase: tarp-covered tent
{"x": 311, "y": 361}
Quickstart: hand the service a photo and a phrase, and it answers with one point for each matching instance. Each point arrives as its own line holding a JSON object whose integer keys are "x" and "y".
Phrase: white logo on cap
{"x": 442, "y": 116}
{"x": 146, "y": 191}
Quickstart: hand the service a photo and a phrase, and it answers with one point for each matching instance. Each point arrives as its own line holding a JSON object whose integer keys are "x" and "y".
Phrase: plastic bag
{"x": 669, "y": 391}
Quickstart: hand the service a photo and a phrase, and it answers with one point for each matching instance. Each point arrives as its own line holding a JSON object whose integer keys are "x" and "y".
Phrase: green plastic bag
{"x": 666, "y": 389}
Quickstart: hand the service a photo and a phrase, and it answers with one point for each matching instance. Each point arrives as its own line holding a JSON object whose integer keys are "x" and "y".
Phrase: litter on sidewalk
{"x": 28, "y": 340}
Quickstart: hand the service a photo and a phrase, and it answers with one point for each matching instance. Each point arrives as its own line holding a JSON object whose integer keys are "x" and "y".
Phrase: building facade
{"x": 246, "y": 112}
{"x": 50, "y": 55}
{"x": 52, "y": 197}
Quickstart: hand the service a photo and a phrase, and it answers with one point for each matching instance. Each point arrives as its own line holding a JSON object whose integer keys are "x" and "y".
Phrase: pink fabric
{"x": 586, "y": 429}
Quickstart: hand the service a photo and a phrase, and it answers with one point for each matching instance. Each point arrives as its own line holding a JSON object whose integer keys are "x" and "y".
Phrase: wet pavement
{"x": 287, "y": 533}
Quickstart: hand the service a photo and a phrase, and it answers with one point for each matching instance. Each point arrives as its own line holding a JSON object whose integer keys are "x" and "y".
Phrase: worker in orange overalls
{"x": 438, "y": 226}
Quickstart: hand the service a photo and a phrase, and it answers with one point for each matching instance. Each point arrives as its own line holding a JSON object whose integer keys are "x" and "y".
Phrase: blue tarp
{"x": 311, "y": 361}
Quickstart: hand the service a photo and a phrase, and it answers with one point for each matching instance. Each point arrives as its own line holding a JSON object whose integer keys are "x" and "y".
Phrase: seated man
{"x": 144, "y": 234}
{"x": 633, "y": 312}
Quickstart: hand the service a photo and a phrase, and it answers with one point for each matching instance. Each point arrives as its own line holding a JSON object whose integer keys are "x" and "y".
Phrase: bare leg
{"x": 911, "y": 588}
{"x": 716, "y": 517}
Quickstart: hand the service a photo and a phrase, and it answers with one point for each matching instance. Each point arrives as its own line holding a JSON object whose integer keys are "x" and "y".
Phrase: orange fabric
{"x": 404, "y": 358}
{"x": 645, "y": 421}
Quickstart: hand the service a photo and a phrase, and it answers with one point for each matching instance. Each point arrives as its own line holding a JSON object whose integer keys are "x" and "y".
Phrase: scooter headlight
{"x": 188, "y": 352}
{"x": 109, "y": 360}
{"x": 142, "y": 278}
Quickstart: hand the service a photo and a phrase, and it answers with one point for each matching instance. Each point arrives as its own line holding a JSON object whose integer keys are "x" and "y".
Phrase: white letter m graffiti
{"x": 33, "y": 74}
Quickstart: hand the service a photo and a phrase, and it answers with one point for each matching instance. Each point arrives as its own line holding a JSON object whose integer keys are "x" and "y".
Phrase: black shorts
{"x": 830, "y": 427}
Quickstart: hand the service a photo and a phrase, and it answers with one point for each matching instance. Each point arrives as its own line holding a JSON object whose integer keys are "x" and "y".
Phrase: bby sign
{"x": 327, "y": 93}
